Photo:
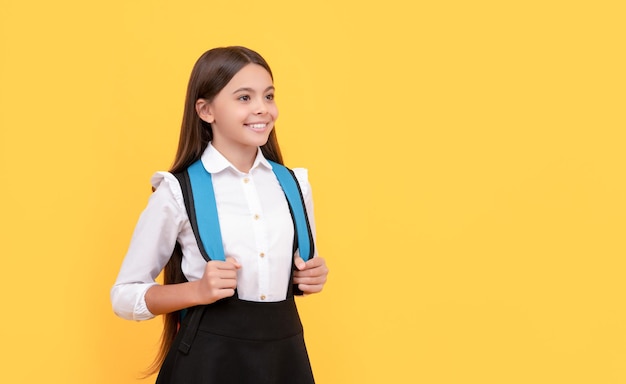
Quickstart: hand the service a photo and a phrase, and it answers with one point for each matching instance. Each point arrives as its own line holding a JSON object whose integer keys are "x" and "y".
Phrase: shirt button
{"x": 256, "y": 217}
{"x": 262, "y": 297}
{"x": 262, "y": 254}
{"x": 245, "y": 180}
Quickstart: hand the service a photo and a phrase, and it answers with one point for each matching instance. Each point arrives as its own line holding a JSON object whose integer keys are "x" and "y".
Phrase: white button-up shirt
{"x": 256, "y": 227}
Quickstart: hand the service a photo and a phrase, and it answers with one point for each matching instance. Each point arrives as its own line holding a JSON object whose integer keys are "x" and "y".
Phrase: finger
{"x": 305, "y": 273}
{"x": 224, "y": 265}
{"x": 225, "y": 274}
{"x": 312, "y": 271}
{"x": 310, "y": 280}
{"x": 222, "y": 279}
{"x": 233, "y": 261}
{"x": 310, "y": 288}
{"x": 315, "y": 262}
{"x": 226, "y": 284}
{"x": 300, "y": 264}
{"x": 221, "y": 271}
{"x": 224, "y": 293}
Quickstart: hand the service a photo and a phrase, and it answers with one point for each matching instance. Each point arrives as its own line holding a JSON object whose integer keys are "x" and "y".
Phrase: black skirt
{"x": 239, "y": 342}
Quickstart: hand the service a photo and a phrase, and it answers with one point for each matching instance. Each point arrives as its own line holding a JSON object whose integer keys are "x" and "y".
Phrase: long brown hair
{"x": 213, "y": 70}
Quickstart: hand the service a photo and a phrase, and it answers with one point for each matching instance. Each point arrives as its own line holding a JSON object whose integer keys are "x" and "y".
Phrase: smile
{"x": 257, "y": 126}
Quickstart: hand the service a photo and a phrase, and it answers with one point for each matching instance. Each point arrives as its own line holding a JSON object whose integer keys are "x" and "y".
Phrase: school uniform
{"x": 254, "y": 336}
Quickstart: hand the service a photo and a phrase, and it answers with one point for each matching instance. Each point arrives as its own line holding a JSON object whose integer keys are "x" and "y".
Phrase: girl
{"x": 228, "y": 297}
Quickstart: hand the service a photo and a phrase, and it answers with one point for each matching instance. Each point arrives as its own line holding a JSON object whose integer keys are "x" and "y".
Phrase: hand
{"x": 219, "y": 280}
{"x": 310, "y": 276}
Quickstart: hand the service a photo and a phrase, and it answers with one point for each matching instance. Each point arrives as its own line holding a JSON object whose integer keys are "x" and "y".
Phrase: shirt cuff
{"x": 131, "y": 309}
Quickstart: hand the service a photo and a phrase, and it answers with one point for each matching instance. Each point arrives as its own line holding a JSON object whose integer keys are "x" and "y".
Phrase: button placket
{"x": 260, "y": 235}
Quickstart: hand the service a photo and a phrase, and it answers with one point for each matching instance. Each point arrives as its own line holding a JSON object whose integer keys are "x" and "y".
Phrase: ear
{"x": 204, "y": 110}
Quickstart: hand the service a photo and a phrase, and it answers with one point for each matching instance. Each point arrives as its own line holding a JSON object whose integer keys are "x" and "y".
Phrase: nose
{"x": 260, "y": 107}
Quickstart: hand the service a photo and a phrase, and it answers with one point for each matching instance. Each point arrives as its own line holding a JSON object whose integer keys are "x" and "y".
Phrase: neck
{"x": 242, "y": 158}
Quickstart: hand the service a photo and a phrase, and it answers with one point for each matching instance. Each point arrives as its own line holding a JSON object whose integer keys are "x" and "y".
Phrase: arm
{"x": 150, "y": 248}
{"x": 219, "y": 281}
{"x": 136, "y": 295}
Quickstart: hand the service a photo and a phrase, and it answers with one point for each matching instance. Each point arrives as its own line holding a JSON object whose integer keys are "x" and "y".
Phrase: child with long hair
{"x": 233, "y": 242}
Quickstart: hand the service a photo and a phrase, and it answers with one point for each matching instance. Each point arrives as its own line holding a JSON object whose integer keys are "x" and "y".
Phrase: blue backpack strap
{"x": 207, "y": 231}
{"x": 289, "y": 183}
{"x": 199, "y": 195}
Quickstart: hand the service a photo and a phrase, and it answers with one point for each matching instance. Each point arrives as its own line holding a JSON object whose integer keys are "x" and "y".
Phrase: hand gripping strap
{"x": 197, "y": 188}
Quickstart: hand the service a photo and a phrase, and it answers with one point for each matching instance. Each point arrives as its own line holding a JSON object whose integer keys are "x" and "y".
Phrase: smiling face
{"x": 243, "y": 113}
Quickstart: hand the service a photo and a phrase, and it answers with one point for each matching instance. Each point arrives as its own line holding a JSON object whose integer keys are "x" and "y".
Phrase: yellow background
{"x": 467, "y": 159}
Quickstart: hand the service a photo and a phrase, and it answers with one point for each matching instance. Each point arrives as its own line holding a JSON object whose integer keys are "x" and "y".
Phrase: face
{"x": 243, "y": 113}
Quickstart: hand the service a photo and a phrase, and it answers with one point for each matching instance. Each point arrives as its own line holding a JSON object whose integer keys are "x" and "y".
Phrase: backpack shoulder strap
{"x": 290, "y": 186}
{"x": 199, "y": 196}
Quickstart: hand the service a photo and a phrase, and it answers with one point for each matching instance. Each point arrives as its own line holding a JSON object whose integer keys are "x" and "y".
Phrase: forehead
{"x": 251, "y": 76}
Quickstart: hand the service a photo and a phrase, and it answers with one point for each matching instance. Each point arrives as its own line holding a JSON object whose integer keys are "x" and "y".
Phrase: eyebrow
{"x": 246, "y": 89}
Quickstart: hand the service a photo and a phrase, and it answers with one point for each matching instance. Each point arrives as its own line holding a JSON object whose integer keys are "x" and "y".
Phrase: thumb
{"x": 300, "y": 264}
{"x": 233, "y": 261}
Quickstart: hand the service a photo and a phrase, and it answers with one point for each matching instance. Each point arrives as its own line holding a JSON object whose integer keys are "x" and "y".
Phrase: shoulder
{"x": 302, "y": 176}
{"x": 166, "y": 184}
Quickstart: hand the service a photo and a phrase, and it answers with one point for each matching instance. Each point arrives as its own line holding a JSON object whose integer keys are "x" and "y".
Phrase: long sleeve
{"x": 150, "y": 248}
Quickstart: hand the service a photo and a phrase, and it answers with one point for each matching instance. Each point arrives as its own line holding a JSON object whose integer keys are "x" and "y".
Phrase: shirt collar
{"x": 215, "y": 162}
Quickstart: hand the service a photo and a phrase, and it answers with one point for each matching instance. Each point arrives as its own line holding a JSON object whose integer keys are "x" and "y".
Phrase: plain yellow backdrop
{"x": 467, "y": 159}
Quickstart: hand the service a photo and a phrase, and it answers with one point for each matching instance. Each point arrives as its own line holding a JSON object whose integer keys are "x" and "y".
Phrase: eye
{"x": 244, "y": 98}
{"x": 269, "y": 96}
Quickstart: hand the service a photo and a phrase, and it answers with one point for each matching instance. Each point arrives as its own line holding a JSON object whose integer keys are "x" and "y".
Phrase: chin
{"x": 261, "y": 140}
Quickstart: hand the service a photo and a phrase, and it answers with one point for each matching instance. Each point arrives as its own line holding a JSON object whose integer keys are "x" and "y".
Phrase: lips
{"x": 257, "y": 126}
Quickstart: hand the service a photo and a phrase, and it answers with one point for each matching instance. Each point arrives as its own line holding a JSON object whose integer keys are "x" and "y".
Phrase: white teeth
{"x": 257, "y": 126}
